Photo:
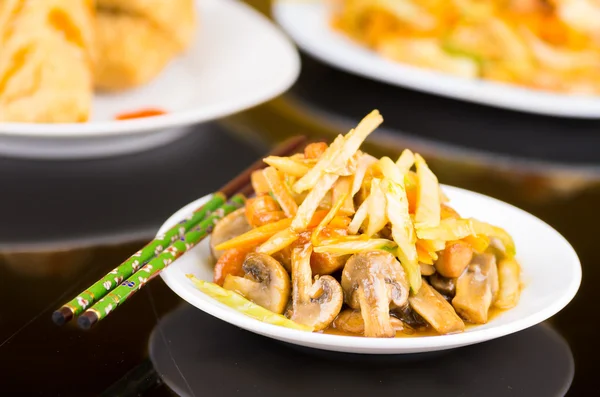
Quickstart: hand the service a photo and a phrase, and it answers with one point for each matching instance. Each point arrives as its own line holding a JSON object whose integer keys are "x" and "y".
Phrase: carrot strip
{"x": 328, "y": 218}
{"x": 259, "y": 183}
{"x": 255, "y": 236}
{"x": 315, "y": 150}
{"x": 423, "y": 254}
{"x": 478, "y": 242}
{"x": 230, "y": 263}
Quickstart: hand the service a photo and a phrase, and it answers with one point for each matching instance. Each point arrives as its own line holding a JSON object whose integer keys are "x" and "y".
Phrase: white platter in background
{"x": 239, "y": 59}
{"x": 307, "y": 22}
{"x": 551, "y": 273}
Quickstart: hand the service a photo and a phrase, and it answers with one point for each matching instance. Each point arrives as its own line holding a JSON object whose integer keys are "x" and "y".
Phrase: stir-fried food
{"x": 542, "y": 44}
{"x": 336, "y": 239}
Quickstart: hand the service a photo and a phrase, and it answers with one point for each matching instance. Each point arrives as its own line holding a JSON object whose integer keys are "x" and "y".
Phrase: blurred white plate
{"x": 551, "y": 273}
{"x": 239, "y": 59}
{"x": 307, "y": 22}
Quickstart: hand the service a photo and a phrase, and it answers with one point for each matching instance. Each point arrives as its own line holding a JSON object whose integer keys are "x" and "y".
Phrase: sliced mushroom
{"x": 444, "y": 285}
{"x": 372, "y": 281}
{"x": 476, "y": 289}
{"x": 432, "y": 306}
{"x": 265, "y": 282}
{"x": 351, "y": 321}
{"x": 426, "y": 270}
{"x": 453, "y": 260}
{"x": 227, "y": 228}
{"x": 410, "y": 317}
{"x": 489, "y": 267}
{"x": 313, "y": 304}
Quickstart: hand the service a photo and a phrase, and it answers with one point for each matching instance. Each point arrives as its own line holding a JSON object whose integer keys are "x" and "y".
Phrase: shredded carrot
{"x": 263, "y": 209}
{"x": 340, "y": 222}
{"x": 448, "y": 212}
{"x": 259, "y": 183}
{"x": 423, "y": 254}
{"x": 328, "y": 218}
{"x": 230, "y": 263}
{"x": 479, "y": 242}
{"x": 314, "y": 150}
{"x": 255, "y": 236}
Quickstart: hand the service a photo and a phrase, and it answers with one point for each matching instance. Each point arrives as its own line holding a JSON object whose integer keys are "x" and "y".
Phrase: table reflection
{"x": 195, "y": 353}
{"x": 57, "y": 205}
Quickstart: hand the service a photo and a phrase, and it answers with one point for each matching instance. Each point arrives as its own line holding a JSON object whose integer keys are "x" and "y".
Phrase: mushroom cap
{"x": 325, "y": 302}
{"x": 265, "y": 282}
{"x": 445, "y": 286}
{"x": 363, "y": 268}
{"x": 372, "y": 280}
{"x": 227, "y": 228}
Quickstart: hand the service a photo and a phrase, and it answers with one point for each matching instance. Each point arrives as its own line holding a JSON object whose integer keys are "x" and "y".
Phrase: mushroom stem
{"x": 374, "y": 281}
{"x": 313, "y": 304}
{"x": 301, "y": 274}
{"x": 375, "y": 311}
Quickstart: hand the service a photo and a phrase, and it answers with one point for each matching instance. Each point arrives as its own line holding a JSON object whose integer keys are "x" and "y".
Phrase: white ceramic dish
{"x": 551, "y": 273}
{"x": 307, "y": 23}
{"x": 239, "y": 59}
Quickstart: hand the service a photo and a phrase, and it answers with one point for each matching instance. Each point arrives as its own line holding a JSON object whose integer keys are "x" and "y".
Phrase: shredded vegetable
{"x": 427, "y": 213}
{"x": 243, "y": 305}
{"x": 255, "y": 236}
{"x": 539, "y": 44}
{"x": 287, "y": 165}
{"x": 356, "y": 245}
{"x": 376, "y": 208}
{"x": 280, "y": 192}
{"x": 349, "y": 228}
{"x": 278, "y": 242}
{"x": 447, "y": 230}
{"x": 403, "y": 232}
{"x": 327, "y": 219}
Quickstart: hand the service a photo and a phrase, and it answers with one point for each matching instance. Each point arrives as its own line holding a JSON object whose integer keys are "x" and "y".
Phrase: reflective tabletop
{"x": 66, "y": 223}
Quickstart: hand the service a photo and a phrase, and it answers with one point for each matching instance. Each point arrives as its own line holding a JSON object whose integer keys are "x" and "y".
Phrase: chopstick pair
{"x": 115, "y": 287}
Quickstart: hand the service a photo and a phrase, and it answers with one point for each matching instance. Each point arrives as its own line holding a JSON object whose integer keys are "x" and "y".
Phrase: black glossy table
{"x": 65, "y": 224}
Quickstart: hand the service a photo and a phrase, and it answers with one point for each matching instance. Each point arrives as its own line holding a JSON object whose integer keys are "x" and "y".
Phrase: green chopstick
{"x": 240, "y": 184}
{"x": 134, "y": 283}
{"x": 113, "y": 278}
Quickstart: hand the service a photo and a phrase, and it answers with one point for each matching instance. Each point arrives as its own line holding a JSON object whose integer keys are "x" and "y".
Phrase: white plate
{"x": 239, "y": 59}
{"x": 551, "y": 273}
{"x": 308, "y": 24}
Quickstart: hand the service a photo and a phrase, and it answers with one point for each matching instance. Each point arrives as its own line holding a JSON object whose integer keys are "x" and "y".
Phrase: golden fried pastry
{"x": 176, "y": 18}
{"x": 46, "y": 60}
{"x": 136, "y": 39}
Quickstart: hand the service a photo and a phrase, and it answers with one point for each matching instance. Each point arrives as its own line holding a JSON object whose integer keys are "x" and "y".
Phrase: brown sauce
{"x": 138, "y": 114}
{"x": 411, "y": 332}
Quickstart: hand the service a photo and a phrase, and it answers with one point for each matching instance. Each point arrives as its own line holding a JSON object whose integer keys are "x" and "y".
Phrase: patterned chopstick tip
{"x": 114, "y": 278}
{"x": 98, "y": 290}
{"x": 135, "y": 282}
